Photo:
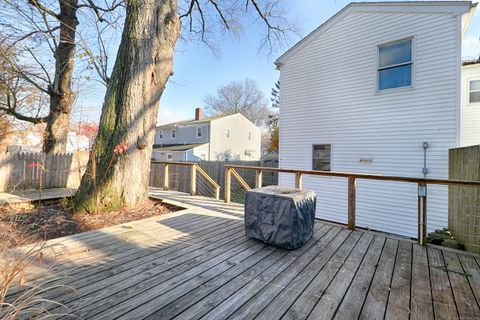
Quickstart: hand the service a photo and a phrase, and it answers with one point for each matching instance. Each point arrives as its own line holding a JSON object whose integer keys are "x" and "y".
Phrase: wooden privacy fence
{"x": 464, "y": 203}
{"x": 231, "y": 171}
{"x": 28, "y": 170}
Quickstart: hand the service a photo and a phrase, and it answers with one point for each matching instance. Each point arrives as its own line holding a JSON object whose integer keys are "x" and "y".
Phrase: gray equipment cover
{"x": 280, "y": 216}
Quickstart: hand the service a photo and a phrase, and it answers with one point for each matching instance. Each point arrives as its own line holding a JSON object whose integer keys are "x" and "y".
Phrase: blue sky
{"x": 197, "y": 72}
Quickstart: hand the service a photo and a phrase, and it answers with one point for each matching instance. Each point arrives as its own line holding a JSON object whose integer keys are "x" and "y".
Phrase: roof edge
{"x": 336, "y": 17}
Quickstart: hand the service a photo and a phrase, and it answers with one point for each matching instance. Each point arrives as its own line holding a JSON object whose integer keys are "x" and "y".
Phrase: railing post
{"x": 165, "y": 177}
{"x": 351, "y": 202}
{"x": 258, "y": 178}
{"x": 422, "y": 213}
{"x": 217, "y": 193}
{"x": 298, "y": 180}
{"x": 193, "y": 180}
{"x": 228, "y": 184}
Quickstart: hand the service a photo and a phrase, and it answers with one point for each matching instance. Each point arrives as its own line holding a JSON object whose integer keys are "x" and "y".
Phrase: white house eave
{"x": 467, "y": 18}
{"x": 426, "y": 7}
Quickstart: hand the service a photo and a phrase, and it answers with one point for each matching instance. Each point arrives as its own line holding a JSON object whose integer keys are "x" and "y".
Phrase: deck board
{"x": 198, "y": 264}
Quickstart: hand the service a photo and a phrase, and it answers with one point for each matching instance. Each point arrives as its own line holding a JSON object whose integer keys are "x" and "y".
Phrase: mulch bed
{"x": 32, "y": 223}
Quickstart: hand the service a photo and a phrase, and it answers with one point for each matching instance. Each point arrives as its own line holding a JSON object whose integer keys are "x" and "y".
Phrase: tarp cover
{"x": 280, "y": 216}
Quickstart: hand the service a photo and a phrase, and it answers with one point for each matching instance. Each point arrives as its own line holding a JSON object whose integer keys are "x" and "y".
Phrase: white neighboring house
{"x": 470, "y": 115}
{"x": 223, "y": 138}
{"x": 366, "y": 92}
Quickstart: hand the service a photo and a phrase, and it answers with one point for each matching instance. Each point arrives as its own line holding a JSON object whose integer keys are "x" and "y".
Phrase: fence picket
{"x": 16, "y": 174}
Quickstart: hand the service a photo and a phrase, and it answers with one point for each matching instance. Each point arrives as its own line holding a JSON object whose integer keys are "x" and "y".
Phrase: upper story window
{"x": 395, "y": 65}
{"x": 249, "y": 136}
{"x": 174, "y": 133}
{"x": 227, "y": 133}
{"x": 474, "y": 91}
{"x": 199, "y": 132}
{"x": 321, "y": 159}
{"x": 160, "y": 134}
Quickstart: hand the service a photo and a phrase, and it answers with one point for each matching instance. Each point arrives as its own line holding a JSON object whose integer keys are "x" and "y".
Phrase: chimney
{"x": 198, "y": 114}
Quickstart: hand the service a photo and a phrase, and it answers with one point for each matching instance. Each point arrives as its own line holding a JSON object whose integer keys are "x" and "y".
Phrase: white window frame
{"x": 249, "y": 135}
{"x": 160, "y": 134}
{"x": 412, "y": 61}
{"x": 173, "y": 134}
{"x": 169, "y": 156}
{"x": 468, "y": 91}
{"x": 331, "y": 153}
{"x": 201, "y": 132}
{"x": 228, "y": 133}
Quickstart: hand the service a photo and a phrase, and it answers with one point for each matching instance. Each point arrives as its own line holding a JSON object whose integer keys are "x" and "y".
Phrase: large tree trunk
{"x": 142, "y": 68}
{"x": 61, "y": 94}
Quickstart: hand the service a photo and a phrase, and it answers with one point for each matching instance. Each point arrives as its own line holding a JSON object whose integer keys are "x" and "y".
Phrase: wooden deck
{"x": 197, "y": 263}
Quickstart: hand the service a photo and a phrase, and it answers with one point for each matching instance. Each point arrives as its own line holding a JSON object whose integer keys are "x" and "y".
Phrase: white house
{"x": 470, "y": 115}
{"x": 225, "y": 138}
{"x": 378, "y": 89}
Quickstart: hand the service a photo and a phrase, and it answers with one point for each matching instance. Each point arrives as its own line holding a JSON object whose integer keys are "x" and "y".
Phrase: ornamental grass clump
{"x": 18, "y": 299}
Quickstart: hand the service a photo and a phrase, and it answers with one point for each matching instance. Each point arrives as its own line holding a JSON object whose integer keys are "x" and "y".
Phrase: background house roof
{"x": 176, "y": 147}
{"x": 192, "y": 121}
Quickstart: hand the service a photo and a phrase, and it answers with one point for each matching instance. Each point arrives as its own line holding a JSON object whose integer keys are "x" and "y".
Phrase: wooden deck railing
{"x": 194, "y": 168}
{"x": 230, "y": 171}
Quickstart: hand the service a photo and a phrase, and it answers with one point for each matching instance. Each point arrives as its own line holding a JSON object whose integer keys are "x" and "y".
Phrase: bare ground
{"x": 31, "y": 223}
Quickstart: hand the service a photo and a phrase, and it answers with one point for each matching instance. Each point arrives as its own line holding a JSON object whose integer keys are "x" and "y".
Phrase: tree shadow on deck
{"x": 98, "y": 270}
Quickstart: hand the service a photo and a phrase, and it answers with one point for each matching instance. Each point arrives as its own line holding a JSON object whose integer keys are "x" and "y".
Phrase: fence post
{"x": 165, "y": 177}
{"x": 351, "y": 202}
{"x": 298, "y": 180}
{"x": 193, "y": 180}
{"x": 422, "y": 213}
{"x": 258, "y": 178}
{"x": 228, "y": 185}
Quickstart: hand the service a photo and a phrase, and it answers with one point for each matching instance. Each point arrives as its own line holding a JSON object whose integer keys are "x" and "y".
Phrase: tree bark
{"x": 129, "y": 114}
{"x": 62, "y": 97}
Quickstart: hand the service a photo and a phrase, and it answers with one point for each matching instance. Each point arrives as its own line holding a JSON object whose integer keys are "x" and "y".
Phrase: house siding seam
{"x": 328, "y": 96}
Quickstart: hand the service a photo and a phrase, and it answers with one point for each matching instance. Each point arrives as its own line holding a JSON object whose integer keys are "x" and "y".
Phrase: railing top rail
{"x": 175, "y": 163}
{"x": 366, "y": 176}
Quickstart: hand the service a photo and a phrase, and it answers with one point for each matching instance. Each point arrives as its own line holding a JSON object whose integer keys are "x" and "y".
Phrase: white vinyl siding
{"x": 470, "y": 114}
{"x": 329, "y": 93}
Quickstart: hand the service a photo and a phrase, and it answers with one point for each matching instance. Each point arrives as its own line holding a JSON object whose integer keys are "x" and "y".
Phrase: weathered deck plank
{"x": 198, "y": 264}
{"x": 421, "y": 300}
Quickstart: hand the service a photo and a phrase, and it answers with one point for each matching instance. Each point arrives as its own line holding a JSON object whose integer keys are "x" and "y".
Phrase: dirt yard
{"x": 31, "y": 223}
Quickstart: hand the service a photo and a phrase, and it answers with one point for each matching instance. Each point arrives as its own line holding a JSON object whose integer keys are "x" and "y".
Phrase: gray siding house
{"x": 221, "y": 138}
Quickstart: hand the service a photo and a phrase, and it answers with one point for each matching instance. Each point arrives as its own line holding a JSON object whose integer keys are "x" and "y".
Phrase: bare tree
{"x": 6, "y": 127}
{"x": 122, "y": 149}
{"x": 39, "y": 46}
{"x": 273, "y": 118}
{"x": 243, "y": 97}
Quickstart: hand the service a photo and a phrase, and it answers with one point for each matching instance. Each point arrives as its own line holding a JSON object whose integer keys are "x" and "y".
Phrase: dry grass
{"x": 14, "y": 263}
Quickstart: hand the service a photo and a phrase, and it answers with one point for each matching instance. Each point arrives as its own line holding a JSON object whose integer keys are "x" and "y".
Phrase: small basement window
{"x": 474, "y": 91}
{"x": 395, "y": 65}
{"x": 199, "y": 132}
{"x": 321, "y": 157}
{"x": 174, "y": 134}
